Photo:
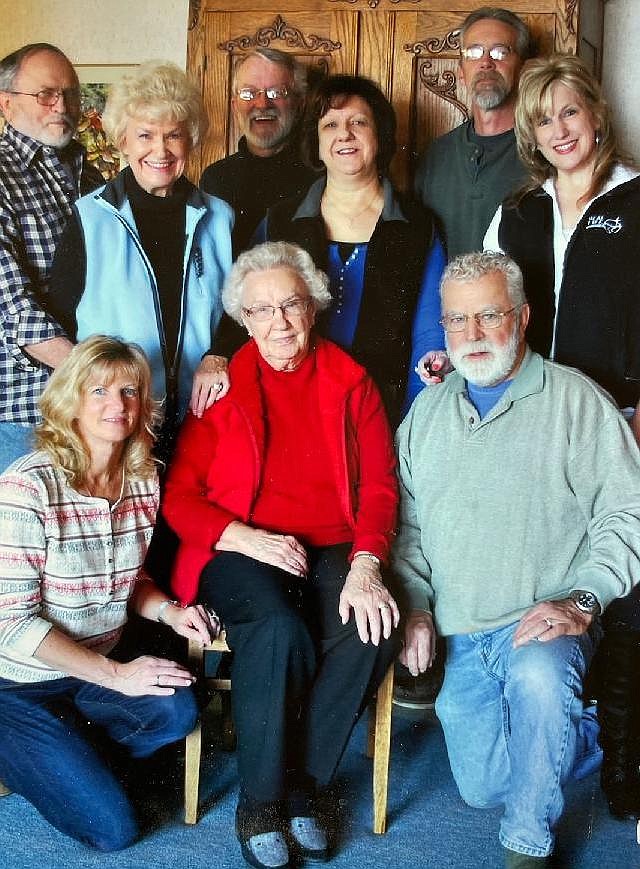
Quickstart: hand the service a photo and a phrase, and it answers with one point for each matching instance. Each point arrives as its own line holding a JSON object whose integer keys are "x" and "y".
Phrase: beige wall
{"x": 99, "y": 31}
{"x": 621, "y": 72}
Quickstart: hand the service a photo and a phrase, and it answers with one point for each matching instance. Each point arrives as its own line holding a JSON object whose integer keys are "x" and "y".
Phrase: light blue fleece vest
{"x": 121, "y": 295}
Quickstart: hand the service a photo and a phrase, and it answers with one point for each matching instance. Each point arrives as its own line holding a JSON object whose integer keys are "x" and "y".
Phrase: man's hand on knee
{"x": 419, "y": 642}
{"x": 550, "y": 620}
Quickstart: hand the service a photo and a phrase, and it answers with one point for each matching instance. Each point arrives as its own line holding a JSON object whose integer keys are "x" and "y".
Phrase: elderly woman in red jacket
{"x": 284, "y": 499}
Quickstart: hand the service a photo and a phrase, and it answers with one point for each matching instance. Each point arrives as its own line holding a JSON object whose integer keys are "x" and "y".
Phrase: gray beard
{"x": 490, "y": 99}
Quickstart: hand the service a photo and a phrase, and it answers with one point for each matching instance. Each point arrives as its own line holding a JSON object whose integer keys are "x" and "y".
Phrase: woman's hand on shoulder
{"x": 210, "y": 382}
{"x": 148, "y": 675}
{"x": 279, "y": 550}
{"x": 433, "y": 367}
{"x": 375, "y": 611}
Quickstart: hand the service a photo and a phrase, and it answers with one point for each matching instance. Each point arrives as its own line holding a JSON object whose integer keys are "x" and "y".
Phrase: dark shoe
{"x": 515, "y": 860}
{"x": 619, "y": 718}
{"x": 309, "y": 840}
{"x": 266, "y": 851}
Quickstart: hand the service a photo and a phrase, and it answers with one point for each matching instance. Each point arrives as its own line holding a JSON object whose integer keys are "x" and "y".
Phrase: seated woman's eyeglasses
{"x": 49, "y": 96}
{"x": 250, "y": 94}
{"x": 496, "y": 52}
{"x": 484, "y": 319}
{"x": 262, "y": 313}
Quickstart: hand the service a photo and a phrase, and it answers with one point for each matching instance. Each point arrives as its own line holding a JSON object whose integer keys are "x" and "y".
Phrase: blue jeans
{"x": 49, "y": 753}
{"x": 514, "y": 727}
{"x": 15, "y": 441}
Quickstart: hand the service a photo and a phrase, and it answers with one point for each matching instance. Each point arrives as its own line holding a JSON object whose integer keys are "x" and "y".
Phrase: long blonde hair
{"x": 534, "y": 102}
{"x": 58, "y": 435}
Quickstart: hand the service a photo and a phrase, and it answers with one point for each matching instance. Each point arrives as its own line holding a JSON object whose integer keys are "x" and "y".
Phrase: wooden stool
{"x": 4, "y": 790}
{"x": 378, "y": 742}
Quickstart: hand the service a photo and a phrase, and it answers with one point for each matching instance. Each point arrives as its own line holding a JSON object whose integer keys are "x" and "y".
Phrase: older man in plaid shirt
{"x": 42, "y": 172}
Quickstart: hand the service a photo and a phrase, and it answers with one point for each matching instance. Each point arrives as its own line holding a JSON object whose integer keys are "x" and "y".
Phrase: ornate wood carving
{"x": 450, "y": 42}
{"x": 194, "y": 13}
{"x": 570, "y": 8}
{"x": 373, "y": 4}
{"x": 280, "y": 30}
{"x": 447, "y": 90}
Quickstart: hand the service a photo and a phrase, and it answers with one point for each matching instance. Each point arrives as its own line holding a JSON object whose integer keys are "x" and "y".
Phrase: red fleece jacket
{"x": 216, "y": 471}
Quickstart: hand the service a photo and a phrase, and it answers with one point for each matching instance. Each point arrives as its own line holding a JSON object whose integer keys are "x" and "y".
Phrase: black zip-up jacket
{"x": 598, "y": 320}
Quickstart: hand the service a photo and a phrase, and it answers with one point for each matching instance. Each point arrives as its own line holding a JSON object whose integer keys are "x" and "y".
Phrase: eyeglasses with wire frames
{"x": 272, "y": 93}
{"x": 50, "y": 96}
{"x": 292, "y": 308}
{"x": 496, "y": 52}
{"x": 484, "y": 319}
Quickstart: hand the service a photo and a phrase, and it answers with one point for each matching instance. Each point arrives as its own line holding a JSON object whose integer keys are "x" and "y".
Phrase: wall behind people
{"x": 95, "y": 32}
{"x": 620, "y": 72}
{"x": 125, "y": 32}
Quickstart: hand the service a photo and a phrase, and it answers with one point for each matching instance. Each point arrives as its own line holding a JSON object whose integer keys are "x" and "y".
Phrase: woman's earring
{"x": 597, "y": 138}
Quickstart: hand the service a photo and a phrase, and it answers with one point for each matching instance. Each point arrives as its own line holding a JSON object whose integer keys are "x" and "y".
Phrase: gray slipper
{"x": 266, "y": 851}
{"x": 309, "y": 839}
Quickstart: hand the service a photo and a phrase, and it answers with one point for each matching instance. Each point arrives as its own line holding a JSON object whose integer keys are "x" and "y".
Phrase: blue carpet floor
{"x": 429, "y": 825}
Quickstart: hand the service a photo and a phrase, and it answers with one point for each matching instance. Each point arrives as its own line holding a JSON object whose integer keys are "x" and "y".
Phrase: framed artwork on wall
{"x": 94, "y": 85}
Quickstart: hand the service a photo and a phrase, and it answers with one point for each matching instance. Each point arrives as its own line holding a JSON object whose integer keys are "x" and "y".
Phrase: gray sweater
{"x": 540, "y": 497}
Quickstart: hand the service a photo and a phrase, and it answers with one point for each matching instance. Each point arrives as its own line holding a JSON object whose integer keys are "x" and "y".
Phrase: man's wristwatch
{"x": 586, "y": 602}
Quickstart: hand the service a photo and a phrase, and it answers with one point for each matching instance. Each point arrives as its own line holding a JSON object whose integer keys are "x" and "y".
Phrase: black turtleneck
{"x": 160, "y": 221}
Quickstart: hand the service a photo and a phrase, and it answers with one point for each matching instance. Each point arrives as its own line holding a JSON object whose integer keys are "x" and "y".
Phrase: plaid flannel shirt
{"x": 36, "y": 195}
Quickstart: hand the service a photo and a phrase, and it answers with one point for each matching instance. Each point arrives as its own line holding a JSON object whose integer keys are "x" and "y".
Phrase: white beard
{"x": 490, "y": 371}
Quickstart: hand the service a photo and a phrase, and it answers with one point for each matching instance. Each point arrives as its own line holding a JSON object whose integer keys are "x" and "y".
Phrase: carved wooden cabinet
{"x": 410, "y": 47}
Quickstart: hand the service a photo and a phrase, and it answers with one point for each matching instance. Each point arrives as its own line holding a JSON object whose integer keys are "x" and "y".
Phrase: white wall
{"x": 621, "y": 71}
{"x": 99, "y": 31}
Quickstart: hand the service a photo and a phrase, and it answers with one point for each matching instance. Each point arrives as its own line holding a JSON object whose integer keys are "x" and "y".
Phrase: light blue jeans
{"x": 15, "y": 441}
{"x": 515, "y": 729}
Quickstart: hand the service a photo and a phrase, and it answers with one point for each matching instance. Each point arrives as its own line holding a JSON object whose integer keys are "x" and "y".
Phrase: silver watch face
{"x": 586, "y": 601}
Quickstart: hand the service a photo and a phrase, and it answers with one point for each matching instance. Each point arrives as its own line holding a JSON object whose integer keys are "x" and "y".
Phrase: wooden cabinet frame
{"x": 410, "y": 47}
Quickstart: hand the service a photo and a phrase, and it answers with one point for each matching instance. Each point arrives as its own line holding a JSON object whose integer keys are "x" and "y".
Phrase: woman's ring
{"x": 158, "y": 680}
{"x": 549, "y": 623}
{"x": 384, "y": 606}
{"x": 218, "y": 387}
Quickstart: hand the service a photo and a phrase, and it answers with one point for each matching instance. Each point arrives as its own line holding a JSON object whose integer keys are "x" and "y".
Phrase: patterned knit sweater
{"x": 66, "y": 560}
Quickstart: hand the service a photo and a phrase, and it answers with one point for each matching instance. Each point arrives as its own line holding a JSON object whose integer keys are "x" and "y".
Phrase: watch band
{"x": 162, "y": 608}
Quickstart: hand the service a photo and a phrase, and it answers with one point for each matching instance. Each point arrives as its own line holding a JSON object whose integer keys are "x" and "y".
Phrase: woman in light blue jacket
{"x": 146, "y": 255}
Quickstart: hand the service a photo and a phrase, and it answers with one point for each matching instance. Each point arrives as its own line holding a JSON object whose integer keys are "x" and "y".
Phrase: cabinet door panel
{"x": 325, "y": 41}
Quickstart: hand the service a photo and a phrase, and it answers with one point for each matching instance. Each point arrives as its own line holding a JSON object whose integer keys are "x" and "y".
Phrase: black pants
{"x": 300, "y": 677}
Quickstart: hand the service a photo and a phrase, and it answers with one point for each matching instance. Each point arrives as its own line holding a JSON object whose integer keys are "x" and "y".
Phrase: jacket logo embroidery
{"x": 611, "y": 225}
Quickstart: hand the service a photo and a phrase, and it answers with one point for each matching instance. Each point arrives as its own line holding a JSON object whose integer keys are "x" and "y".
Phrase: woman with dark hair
{"x": 378, "y": 247}
{"x": 76, "y": 519}
{"x": 574, "y": 230}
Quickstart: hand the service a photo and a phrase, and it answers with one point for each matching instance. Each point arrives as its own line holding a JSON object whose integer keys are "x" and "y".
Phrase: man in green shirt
{"x": 520, "y": 522}
{"x": 465, "y": 174}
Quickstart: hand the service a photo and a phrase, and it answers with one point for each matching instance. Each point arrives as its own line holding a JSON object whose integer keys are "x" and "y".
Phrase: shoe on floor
{"x": 515, "y": 860}
{"x": 309, "y": 839}
{"x": 266, "y": 851}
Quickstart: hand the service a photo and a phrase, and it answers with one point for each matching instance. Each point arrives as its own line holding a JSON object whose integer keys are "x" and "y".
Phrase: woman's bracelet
{"x": 363, "y": 554}
{"x": 162, "y": 608}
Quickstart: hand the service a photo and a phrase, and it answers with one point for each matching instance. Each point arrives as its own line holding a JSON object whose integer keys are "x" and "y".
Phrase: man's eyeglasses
{"x": 484, "y": 319}
{"x": 496, "y": 52}
{"x": 250, "y": 94}
{"x": 293, "y": 308}
{"x": 50, "y": 96}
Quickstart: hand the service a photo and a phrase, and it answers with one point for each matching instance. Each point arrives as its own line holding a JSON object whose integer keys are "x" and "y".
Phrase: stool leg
{"x": 193, "y": 748}
{"x": 382, "y": 747}
{"x": 192, "y": 751}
